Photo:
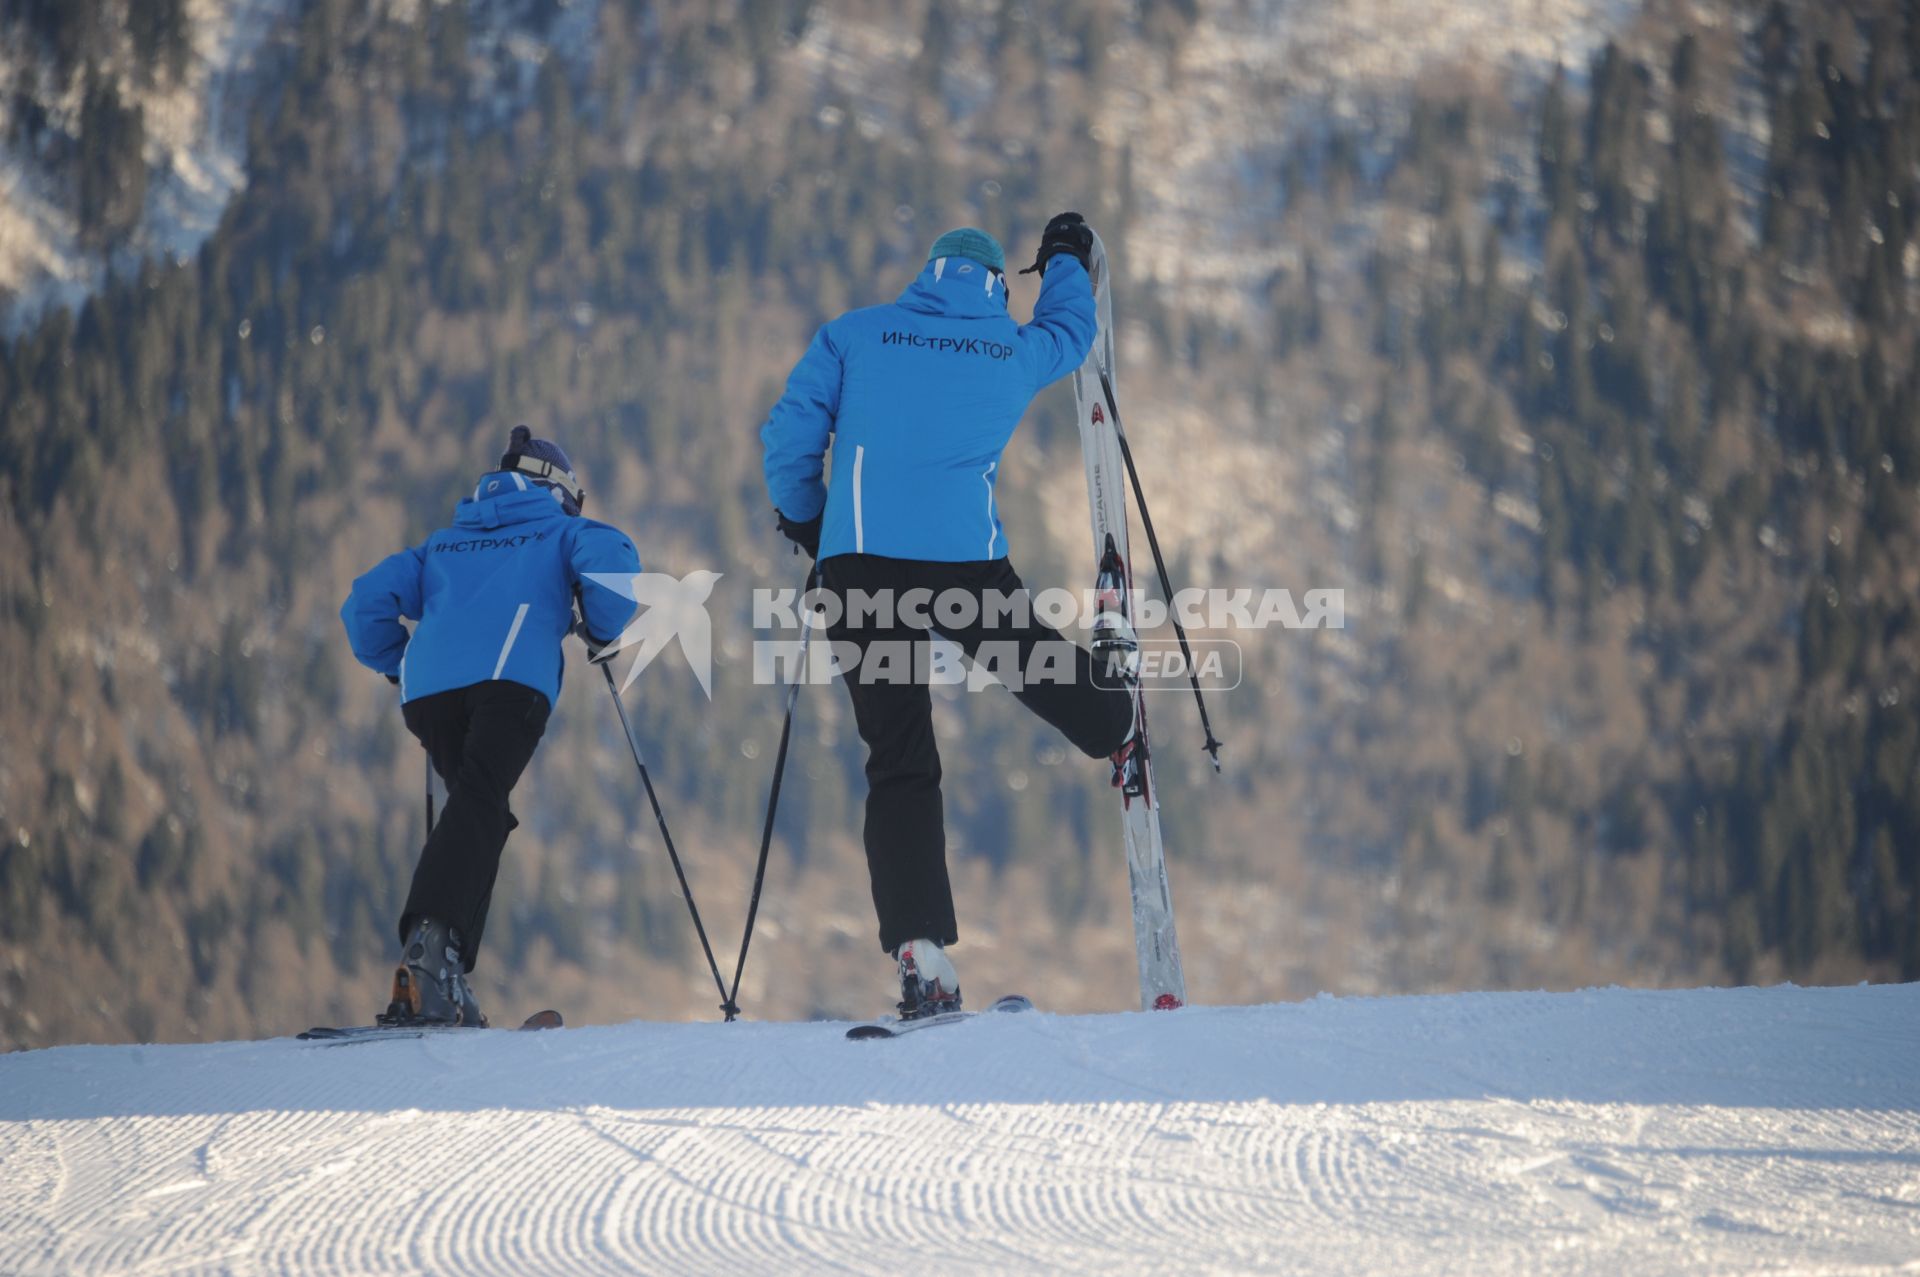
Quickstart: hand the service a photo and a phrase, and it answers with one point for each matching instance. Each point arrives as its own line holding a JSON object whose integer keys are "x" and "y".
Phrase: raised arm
{"x": 1064, "y": 321}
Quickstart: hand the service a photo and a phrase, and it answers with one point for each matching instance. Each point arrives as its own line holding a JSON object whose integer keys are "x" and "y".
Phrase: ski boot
{"x": 928, "y": 985}
{"x": 1116, "y": 645}
{"x": 1130, "y": 767}
{"x": 429, "y": 985}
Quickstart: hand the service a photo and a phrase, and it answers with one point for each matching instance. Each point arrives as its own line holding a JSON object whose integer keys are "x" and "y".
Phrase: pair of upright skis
{"x": 1109, "y": 462}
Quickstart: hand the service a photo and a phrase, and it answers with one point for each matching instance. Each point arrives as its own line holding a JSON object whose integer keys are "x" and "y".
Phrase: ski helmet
{"x": 545, "y": 463}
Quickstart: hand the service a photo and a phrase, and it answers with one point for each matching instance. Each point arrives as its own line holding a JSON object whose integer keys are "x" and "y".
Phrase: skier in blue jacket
{"x": 918, "y": 399}
{"x": 492, "y": 597}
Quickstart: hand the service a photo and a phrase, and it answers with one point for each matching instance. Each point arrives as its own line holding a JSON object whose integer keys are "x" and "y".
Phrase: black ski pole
{"x": 1160, "y": 565}
{"x": 660, "y": 816}
{"x": 773, "y": 794}
{"x": 429, "y": 795}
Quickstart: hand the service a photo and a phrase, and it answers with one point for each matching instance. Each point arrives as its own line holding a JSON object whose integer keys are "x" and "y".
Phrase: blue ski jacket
{"x": 493, "y": 594}
{"x": 920, "y": 398}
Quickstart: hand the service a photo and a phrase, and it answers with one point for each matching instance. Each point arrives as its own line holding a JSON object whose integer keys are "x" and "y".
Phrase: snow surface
{"x": 1609, "y": 1131}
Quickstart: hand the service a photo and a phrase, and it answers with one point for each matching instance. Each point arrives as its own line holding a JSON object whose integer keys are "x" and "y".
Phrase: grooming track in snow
{"x": 1606, "y": 1132}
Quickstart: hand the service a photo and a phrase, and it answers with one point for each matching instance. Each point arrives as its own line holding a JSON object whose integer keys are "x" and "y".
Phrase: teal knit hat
{"x": 970, "y": 243}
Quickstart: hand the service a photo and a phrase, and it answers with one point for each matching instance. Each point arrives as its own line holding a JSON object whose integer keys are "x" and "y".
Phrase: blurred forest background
{"x": 1584, "y": 362}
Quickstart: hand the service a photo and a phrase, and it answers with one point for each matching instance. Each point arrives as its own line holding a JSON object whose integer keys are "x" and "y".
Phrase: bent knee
{"x": 1115, "y": 726}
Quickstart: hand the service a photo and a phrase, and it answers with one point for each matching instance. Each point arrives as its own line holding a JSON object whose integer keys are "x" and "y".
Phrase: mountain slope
{"x": 1617, "y": 1131}
{"x": 185, "y": 82}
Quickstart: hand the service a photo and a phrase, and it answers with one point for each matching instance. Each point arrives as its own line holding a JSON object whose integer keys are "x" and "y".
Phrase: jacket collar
{"x": 957, "y": 287}
{"x": 504, "y": 497}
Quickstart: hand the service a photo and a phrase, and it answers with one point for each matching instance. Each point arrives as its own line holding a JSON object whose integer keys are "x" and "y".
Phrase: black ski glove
{"x": 394, "y": 679}
{"x": 804, "y": 535}
{"x": 1066, "y": 233}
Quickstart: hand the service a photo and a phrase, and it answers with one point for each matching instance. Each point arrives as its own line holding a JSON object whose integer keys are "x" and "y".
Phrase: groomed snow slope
{"x": 1608, "y": 1132}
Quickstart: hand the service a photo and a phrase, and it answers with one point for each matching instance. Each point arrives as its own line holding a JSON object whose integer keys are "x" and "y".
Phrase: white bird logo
{"x": 672, "y": 609}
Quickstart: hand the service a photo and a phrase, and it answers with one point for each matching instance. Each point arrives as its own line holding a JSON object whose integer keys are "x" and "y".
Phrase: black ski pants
{"x": 905, "y": 828}
{"x": 480, "y": 739}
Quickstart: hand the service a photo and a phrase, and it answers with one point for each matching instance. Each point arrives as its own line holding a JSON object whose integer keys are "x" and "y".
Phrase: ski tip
{"x": 548, "y": 1019}
{"x": 1167, "y": 1002}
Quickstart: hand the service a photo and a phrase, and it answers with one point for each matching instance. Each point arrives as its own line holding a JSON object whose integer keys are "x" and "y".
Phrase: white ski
{"x": 1163, "y": 985}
